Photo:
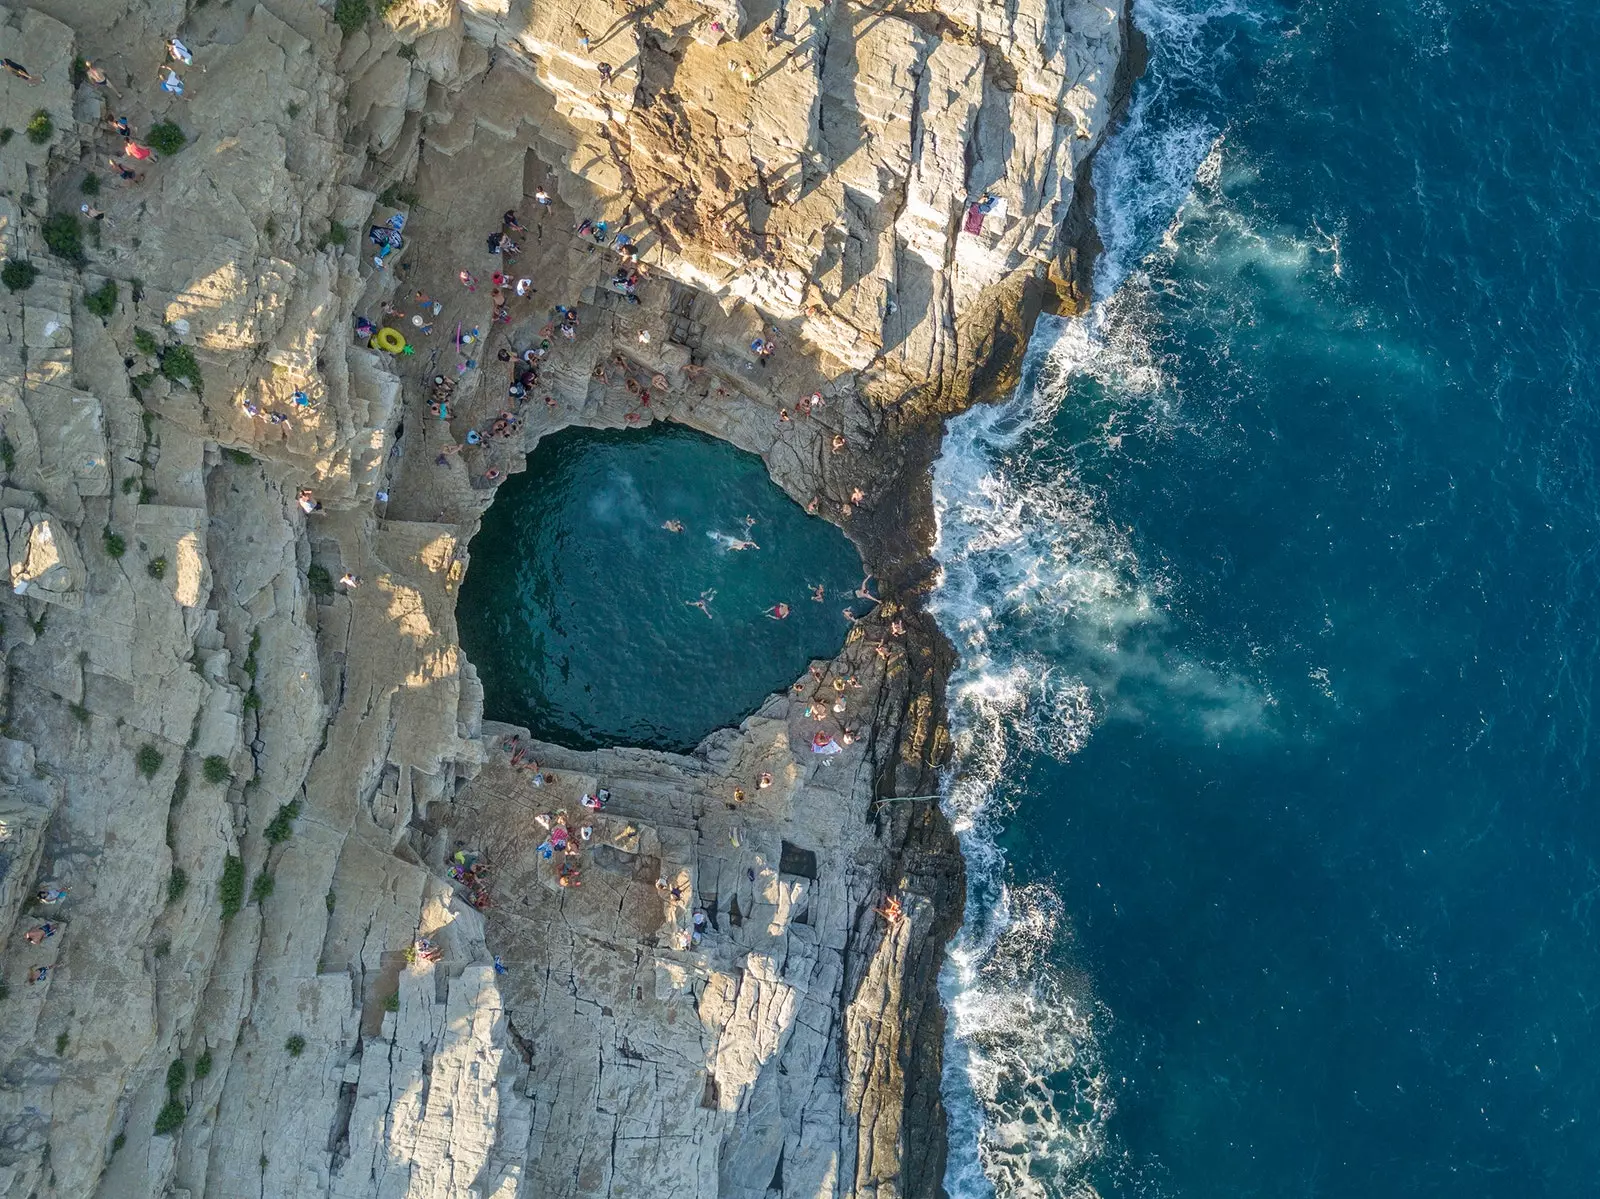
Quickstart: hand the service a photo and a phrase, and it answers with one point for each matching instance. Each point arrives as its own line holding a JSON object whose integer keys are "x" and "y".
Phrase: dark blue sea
{"x": 1277, "y": 588}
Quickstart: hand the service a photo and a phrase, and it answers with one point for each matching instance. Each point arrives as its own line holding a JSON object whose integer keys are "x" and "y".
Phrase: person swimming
{"x": 778, "y": 611}
{"x": 743, "y": 545}
{"x": 702, "y": 603}
{"x": 819, "y": 593}
{"x": 672, "y": 526}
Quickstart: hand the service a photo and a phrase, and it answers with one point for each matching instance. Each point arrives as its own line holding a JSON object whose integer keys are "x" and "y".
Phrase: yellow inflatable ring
{"x": 389, "y": 340}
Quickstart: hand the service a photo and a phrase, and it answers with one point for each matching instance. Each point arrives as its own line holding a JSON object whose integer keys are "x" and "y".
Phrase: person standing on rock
{"x": 98, "y": 78}
{"x": 180, "y": 52}
{"x": 124, "y": 172}
{"x": 138, "y": 151}
{"x": 171, "y": 81}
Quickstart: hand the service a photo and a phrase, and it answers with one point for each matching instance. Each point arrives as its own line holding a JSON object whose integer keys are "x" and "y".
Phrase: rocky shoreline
{"x": 250, "y": 784}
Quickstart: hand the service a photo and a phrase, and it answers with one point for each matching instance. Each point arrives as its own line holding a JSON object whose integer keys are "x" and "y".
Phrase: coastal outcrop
{"x": 242, "y": 750}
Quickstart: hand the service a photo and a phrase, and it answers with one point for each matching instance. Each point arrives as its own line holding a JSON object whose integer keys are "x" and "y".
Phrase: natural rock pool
{"x": 577, "y": 607}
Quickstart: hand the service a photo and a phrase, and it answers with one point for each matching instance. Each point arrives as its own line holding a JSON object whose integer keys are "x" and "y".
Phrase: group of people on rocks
{"x": 43, "y": 931}
{"x": 467, "y": 869}
{"x": 169, "y": 81}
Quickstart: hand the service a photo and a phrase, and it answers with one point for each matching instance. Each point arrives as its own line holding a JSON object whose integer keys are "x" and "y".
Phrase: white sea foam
{"x": 1059, "y": 628}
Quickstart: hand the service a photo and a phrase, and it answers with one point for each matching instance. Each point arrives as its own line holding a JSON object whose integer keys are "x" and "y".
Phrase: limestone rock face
{"x": 243, "y": 956}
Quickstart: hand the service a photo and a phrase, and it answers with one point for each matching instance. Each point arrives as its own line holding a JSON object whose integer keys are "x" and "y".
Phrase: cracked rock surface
{"x": 232, "y": 790}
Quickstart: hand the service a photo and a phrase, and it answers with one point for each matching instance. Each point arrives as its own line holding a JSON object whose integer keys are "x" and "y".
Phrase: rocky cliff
{"x": 242, "y": 955}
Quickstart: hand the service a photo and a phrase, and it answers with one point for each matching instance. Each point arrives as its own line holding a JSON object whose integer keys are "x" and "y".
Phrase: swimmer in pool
{"x": 673, "y": 526}
{"x": 705, "y": 599}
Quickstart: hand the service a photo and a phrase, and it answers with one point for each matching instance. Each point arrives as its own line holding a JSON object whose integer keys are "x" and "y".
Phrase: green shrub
{"x": 408, "y": 51}
{"x": 166, "y": 138}
{"x": 145, "y": 342}
{"x": 231, "y": 889}
{"x": 332, "y": 899}
{"x": 392, "y": 1004}
{"x": 252, "y": 700}
{"x": 61, "y": 1042}
{"x": 180, "y": 787}
{"x": 216, "y": 770}
{"x": 63, "y": 234}
{"x": 41, "y": 129}
{"x": 80, "y": 71}
{"x": 292, "y": 109}
{"x": 17, "y": 275}
{"x": 8, "y": 454}
{"x": 296, "y": 1045}
{"x": 80, "y": 712}
{"x": 202, "y": 1065}
{"x": 89, "y": 185}
{"x": 177, "y": 1075}
{"x": 395, "y": 195}
{"x": 281, "y": 827}
{"x": 6, "y": 135}
{"x": 337, "y": 234}
{"x": 149, "y": 760}
{"x": 238, "y": 457}
{"x": 170, "y": 1117}
{"x": 114, "y": 544}
{"x": 351, "y": 15}
{"x": 156, "y": 568}
{"x": 102, "y": 302}
{"x": 319, "y": 580}
{"x": 261, "y": 888}
{"x": 178, "y": 363}
{"x": 118, "y": 1141}
{"x": 177, "y": 884}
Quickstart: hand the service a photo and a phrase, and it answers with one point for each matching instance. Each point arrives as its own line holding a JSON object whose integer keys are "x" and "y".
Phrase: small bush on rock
{"x": 296, "y": 1045}
{"x": 261, "y": 888}
{"x": 231, "y": 889}
{"x": 114, "y": 544}
{"x": 170, "y": 1117}
{"x": 148, "y": 760}
{"x": 177, "y": 1075}
{"x": 63, "y": 234}
{"x": 41, "y": 129}
{"x": 145, "y": 342}
{"x": 18, "y": 276}
{"x": 178, "y": 363}
{"x": 281, "y": 827}
{"x": 166, "y": 138}
{"x": 216, "y": 769}
{"x": 351, "y": 15}
{"x": 102, "y": 301}
{"x": 202, "y": 1065}
{"x": 89, "y": 185}
{"x": 319, "y": 580}
{"x": 156, "y": 568}
{"x": 177, "y": 884}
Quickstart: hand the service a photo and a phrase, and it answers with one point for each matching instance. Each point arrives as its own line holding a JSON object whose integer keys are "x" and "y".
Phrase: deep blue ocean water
{"x": 1278, "y": 599}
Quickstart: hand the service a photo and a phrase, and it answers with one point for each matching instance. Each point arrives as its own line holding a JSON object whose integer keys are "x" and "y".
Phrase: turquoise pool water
{"x": 577, "y": 608}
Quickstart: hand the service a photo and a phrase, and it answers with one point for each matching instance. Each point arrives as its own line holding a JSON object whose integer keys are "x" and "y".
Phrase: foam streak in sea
{"x": 1036, "y": 592}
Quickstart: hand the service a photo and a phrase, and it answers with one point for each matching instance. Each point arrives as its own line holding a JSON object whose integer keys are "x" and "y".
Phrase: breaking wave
{"x": 1054, "y": 618}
